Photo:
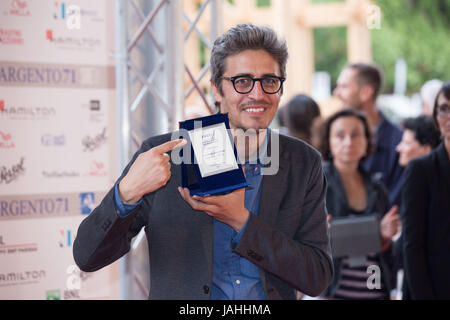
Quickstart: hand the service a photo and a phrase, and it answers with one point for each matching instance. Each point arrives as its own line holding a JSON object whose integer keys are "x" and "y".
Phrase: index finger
{"x": 393, "y": 210}
{"x": 169, "y": 146}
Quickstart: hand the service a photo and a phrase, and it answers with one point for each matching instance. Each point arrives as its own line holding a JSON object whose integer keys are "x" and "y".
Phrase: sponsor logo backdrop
{"x": 57, "y": 143}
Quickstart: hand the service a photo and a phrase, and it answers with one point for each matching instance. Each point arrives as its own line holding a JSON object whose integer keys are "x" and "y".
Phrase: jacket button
{"x": 106, "y": 225}
{"x": 205, "y": 289}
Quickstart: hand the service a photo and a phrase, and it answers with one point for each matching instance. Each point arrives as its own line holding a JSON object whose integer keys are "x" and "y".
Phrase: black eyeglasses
{"x": 245, "y": 84}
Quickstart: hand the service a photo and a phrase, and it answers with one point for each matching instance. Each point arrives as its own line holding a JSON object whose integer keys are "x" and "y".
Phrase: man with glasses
{"x": 263, "y": 242}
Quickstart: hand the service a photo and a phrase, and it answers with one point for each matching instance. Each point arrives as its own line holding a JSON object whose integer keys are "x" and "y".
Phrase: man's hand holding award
{"x": 213, "y": 180}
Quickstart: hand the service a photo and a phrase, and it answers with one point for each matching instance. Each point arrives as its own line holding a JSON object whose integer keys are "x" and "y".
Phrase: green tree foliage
{"x": 415, "y": 30}
{"x": 330, "y": 50}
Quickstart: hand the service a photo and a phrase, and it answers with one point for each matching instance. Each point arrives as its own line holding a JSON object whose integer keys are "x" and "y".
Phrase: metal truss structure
{"x": 153, "y": 81}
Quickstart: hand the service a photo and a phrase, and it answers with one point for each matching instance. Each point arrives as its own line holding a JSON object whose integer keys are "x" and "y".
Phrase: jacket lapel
{"x": 203, "y": 222}
{"x": 274, "y": 186}
{"x": 443, "y": 161}
{"x": 335, "y": 180}
{"x": 444, "y": 170}
{"x": 273, "y": 189}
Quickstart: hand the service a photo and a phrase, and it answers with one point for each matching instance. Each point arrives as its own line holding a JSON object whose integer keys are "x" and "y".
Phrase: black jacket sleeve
{"x": 103, "y": 237}
{"x": 415, "y": 199}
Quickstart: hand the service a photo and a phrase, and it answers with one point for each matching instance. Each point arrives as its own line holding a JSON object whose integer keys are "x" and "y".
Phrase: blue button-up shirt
{"x": 234, "y": 277}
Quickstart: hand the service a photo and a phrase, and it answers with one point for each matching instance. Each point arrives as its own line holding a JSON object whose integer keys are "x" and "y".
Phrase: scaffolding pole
{"x": 151, "y": 73}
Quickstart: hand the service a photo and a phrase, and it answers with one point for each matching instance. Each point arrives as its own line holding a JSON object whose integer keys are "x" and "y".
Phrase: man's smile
{"x": 255, "y": 111}
{"x": 255, "y": 108}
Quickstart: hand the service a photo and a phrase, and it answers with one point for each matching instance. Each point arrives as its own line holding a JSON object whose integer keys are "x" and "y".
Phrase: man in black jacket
{"x": 263, "y": 242}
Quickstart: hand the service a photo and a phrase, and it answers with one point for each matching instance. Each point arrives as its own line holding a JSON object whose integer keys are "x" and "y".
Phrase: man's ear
{"x": 216, "y": 92}
{"x": 366, "y": 93}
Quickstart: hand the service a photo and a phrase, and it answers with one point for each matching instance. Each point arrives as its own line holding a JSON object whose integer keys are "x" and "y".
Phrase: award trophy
{"x": 212, "y": 167}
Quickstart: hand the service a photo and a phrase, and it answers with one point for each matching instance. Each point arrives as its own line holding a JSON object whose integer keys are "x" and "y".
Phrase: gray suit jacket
{"x": 288, "y": 239}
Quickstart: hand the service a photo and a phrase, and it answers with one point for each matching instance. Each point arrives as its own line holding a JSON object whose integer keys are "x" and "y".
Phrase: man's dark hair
{"x": 424, "y": 130}
{"x": 326, "y": 150}
{"x": 445, "y": 90}
{"x": 246, "y": 37}
{"x": 368, "y": 74}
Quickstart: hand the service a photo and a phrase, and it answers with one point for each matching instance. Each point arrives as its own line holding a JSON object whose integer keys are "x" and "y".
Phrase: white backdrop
{"x": 57, "y": 143}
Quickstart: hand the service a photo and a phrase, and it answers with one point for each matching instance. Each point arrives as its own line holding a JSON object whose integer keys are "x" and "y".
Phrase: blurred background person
{"x": 300, "y": 117}
{"x": 358, "y": 87}
{"x": 425, "y": 213}
{"x": 420, "y": 137}
{"x": 428, "y": 94}
{"x": 281, "y": 119}
{"x": 353, "y": 191}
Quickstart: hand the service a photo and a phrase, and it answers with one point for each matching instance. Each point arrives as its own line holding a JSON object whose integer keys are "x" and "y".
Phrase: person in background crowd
{"x": 281, "y": 120}
{"x": 300, "y": 117}
{"x": 352, "y": 191}
{"x": 358, "y": 87}
{"x": 428, "y": 94}
{"x": 425, "y": 213}
{"x": 420, "y": 137}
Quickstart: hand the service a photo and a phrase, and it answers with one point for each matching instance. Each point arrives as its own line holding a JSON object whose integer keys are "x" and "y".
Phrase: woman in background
{"x": 420, "y": 137}
{"x": 352, "y": 191}
{"x": 425, "y": 213}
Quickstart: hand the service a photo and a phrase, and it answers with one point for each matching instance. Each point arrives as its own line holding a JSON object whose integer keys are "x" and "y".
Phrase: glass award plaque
{"x": 212, "y": 167}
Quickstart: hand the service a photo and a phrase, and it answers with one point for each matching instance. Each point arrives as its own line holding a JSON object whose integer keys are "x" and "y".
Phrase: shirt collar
{"x": 382, "y": 131}
{"x": 381, "y": 123}
{"x": 262, "y": 153}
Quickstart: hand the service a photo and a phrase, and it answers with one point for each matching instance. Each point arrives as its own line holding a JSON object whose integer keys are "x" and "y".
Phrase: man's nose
{"x": 257, "y": 91}
{"x": 336, "y": 91}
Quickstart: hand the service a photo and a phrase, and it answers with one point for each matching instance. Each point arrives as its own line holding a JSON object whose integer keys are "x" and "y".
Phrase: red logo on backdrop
{"x": 11, "y": 36}
{"x": 19, "y": 4}
{"x": 19, "y": 8}
{"x": 2, "y": 105}
{"x": 49, "y": 34}
{"x": 5, "y": 136}
{"x": 97, "y": 169}
{"x": 6, "y": 141}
